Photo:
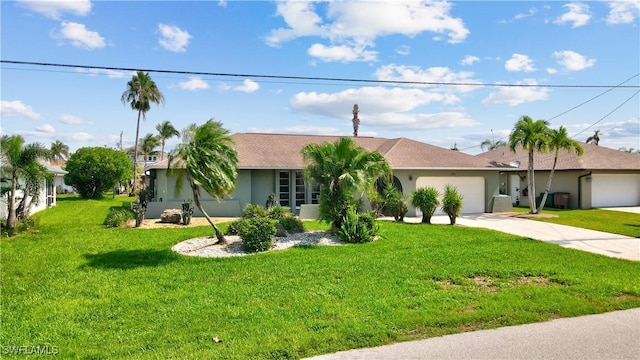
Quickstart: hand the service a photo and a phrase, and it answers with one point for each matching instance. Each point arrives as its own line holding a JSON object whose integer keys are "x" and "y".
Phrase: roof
{"x": 284, "y": 151}
{"x": 594, "y": 158}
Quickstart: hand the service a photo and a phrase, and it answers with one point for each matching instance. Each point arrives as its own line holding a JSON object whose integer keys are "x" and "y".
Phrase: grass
{"x": 96, "y": 292}
{"x": 615, "y": 222}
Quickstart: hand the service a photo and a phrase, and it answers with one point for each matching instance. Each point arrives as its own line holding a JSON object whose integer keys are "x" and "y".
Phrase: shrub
{"x": 357, "y": 228}
{"x": 118, "y": 216}
{"x": 234, "y": 227}
{"x": 452, "y": 203}
{"x": 426, "y": 199}
{"x": 396, "y": 202}
{"x": 256, "y": 234}
{"x": 278, "y": 212}
{"x": 292, "y": 224}
{"x": 23, "y": 225}
{"x": 253, "y": 210}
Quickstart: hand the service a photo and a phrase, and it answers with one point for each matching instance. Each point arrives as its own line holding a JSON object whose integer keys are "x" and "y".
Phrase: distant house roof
{"x": 283, "y": 151}
{"x": 594, "y": 158}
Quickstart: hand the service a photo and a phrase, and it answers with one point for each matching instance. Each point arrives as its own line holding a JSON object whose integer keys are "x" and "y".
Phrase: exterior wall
{"x": 563, "y": 181}
{"x": 44, "y": 200}
{"x": 262, "y": 185}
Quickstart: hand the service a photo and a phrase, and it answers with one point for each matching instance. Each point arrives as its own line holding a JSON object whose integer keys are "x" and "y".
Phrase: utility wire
{"x": 611, "y": 112}
{"x": 314, "y": 78}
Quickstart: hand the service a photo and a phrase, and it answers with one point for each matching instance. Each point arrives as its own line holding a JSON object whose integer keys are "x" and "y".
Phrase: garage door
{"x": 615, "y": 190}
{"x": 471, "y": 189}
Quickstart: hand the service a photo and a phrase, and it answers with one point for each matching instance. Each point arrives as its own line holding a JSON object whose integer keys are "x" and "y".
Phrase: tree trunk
{"x": 196, "y": 200}
{"x": 135, "y": 152}
{"x": 452, "y": 219}
{"x": 11, "y": 217}
{"x": 531, "y": 184}
{"x": 426, "y": 219}
{"x": 546, "y": 190}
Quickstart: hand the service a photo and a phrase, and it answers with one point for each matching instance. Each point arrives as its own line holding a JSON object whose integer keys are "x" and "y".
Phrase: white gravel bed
{"x": 206, "y": 247}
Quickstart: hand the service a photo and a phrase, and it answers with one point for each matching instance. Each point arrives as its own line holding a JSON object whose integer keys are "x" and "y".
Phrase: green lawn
{"x": 94, "y": 292}
{"x": 615, "y": 222}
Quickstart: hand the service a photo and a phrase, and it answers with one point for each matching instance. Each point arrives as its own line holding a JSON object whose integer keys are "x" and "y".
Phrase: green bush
{"x": 357, "y": 228}
{"x": 118, "y": 216}
{"x": 292, "y": 224}
{"x": 278, "y": 212}
{"x": 234, "y": 227}
{"x": 253, "y": 210}
{"x": 427, "y": 200}
{"x": 256, "y": 234}
{"x": 396, "y": 202}
{"x": 451, "y": 203}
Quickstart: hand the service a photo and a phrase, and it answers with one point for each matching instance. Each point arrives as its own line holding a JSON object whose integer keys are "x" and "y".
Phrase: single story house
{"x": 273, "y": 164}
{"x": 46, "y": 197}
{"x": 601, "y": 177}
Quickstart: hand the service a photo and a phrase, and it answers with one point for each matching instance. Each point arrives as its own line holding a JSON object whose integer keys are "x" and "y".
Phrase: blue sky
{"x": 473, "y": 42}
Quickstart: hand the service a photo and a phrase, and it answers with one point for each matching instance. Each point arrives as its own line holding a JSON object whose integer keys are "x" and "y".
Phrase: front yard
{"x": 95, "y": 292}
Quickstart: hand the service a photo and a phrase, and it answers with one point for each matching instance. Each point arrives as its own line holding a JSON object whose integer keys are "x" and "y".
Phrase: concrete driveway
{"x": 598, "y": 242}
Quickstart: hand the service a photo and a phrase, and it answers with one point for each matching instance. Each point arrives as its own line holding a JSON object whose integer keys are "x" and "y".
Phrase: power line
{"x": 611, "y": 112}
{"x": 312, "y": 78}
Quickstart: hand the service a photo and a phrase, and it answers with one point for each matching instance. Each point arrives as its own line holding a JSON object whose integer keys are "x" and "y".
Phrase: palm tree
{"x": 59, "y": 151}
{"x": 492, "y": 145}
{"x": 426, "y": 199}
{"x": 20, "y": 162}
{"x": 532, "y": 136}
{"x": 140, "y": 93}
{"x": 166, "y": 131}
{"x": 559, "y": 139}
{"x": 211, "y": 164}
{"x": 451, "y": 203}
{"x": 149, "y": 142}
{"x": 594, "y": 139}
{"x": 342, "y": 169}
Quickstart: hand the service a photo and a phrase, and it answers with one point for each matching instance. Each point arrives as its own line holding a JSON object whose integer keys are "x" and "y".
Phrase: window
{"x": 283, "y": 187}
{"x": 315, "y": 193}
{"x": 300, "y": 193}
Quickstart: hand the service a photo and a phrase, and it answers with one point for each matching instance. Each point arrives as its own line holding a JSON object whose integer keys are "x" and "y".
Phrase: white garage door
{"x": 615, "y": 190}
{"x": 471, "y": 189}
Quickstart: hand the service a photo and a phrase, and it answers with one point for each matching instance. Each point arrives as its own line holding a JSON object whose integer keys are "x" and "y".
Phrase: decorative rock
{"x": 281, "y": 231}
{"x": 172, "y": 216}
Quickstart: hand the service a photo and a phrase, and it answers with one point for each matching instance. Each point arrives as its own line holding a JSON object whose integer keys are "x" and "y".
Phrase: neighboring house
{"x": 601, "y": 177}
{"x": 142, "y": 160}
{"x": 46, "y": 198}
{"x": 272, "y": 163}
{"x": 56, "y": 167}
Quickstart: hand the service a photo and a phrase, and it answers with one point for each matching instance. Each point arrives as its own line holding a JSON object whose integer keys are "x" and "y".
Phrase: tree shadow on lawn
{"x": 130, "y": 259}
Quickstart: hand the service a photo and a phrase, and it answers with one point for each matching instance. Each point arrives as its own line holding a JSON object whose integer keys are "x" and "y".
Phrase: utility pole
{"x": 356, "y": 121}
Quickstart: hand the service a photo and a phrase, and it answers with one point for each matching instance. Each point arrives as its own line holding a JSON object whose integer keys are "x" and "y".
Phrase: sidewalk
{"x": 614, "y": 335}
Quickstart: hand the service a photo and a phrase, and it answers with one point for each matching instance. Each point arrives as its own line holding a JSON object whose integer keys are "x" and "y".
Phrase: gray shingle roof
{"x": 594, "y": 158}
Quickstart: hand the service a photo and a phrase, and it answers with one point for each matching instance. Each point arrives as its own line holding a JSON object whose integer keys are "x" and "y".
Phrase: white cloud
{"x": 519, "y": 62}
{"x": 516, "y": 95}
{"x": 404, "y": 50}
{"x": 552, "y": 71}
{"x": 194, "y": 83}
{"x": 470, "y": 60}
{"x": 623, "y": 12}
{"x": 395, "y": 72}
{"x": 577, "y": 14}
{"x": 358, "y": 24}
{"x": 421, "y": 121}
{"x": 113, "y": 74}
{"x": 248, "y": 86}
{"x": 54, "y": 9}
{"x": 46, "y": 128}
{"x": 222, "y": 3}
{"x": 17, "y": 108}
{"x": 572, "y": 61}
{"x": 342, "y": 53}
{"x": 70, "y": 119}
{"x": 173, "y": 38}
{"x": 79, "y": 36}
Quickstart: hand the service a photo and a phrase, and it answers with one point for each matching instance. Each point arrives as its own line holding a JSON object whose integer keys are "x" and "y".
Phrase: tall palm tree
{"x": 211, "y": 164}
{"x": 532, "y": 136}
{"x": 140, "y": 93}
{"x": 20, "y": 162}
{"x": 166, "y": 131}
{"x": 492, "y": 145}
{"x": 559, "y": 139}
{"x": 59, "y": 151}
{"x": 342, "y": 169}
{"x": 148, "y": 143}
{"x": 594, "y": 139}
